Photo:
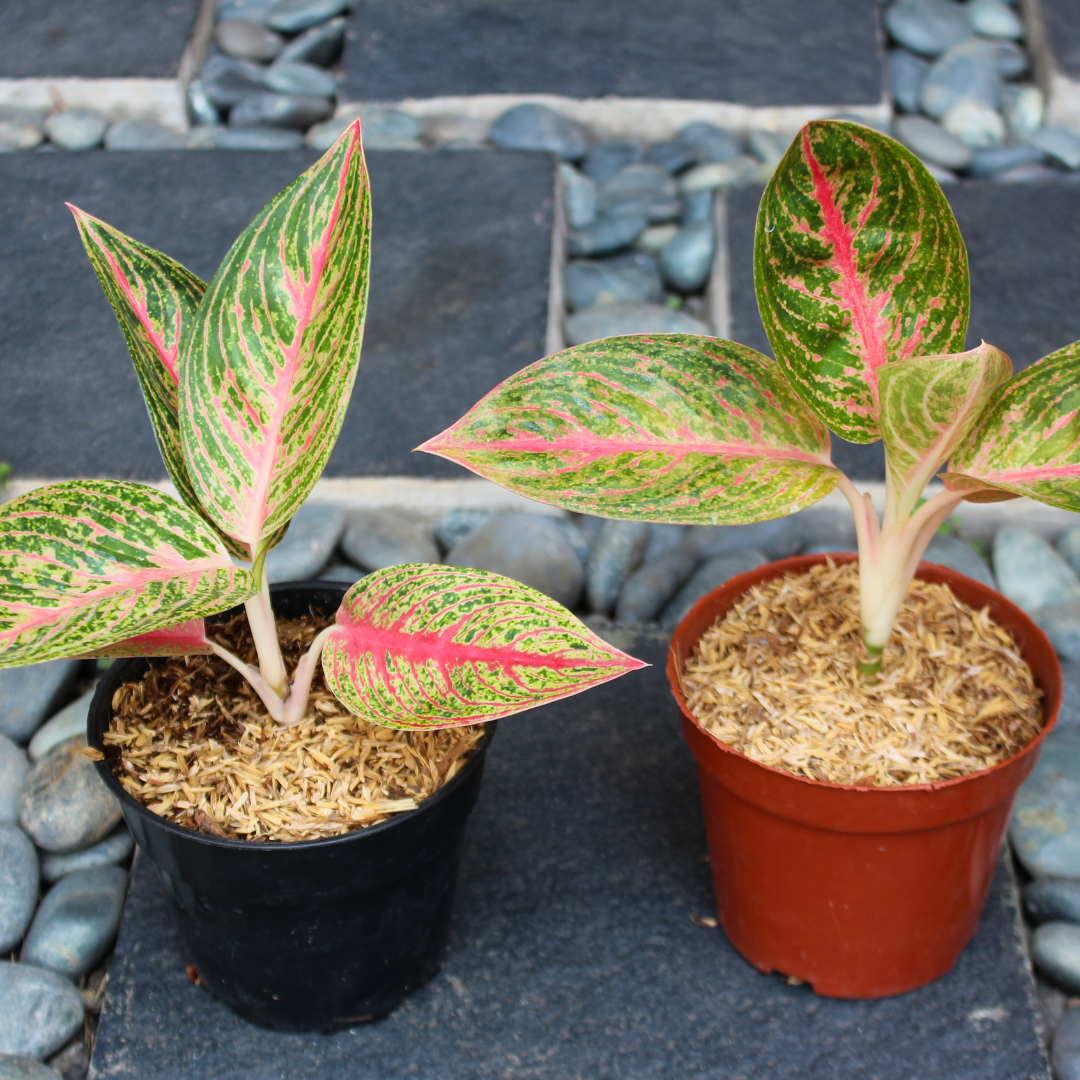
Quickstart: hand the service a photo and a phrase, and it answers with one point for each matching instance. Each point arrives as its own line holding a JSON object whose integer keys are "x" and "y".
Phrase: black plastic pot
{"x": 315, "y": 935}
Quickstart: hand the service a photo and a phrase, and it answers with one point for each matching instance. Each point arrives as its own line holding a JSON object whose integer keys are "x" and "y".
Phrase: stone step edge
{"x": 116, "y": 99}
{"x": 431, "y": 497}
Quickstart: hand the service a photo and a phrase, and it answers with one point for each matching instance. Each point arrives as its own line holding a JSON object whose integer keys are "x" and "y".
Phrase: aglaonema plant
{"x": 862, "y": 284}
{"x": 247, "y": 381}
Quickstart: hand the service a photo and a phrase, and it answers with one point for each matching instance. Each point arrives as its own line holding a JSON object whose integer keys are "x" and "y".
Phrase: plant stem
{"x": 274, "y": 705}
{"x": 264, "y": 631}
{"x": 296, "y": 705}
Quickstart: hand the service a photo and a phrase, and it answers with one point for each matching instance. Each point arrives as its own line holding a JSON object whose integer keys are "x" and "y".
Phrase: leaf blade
{"x": 87, "y": 564}
{"x": 858, "y": 263}
{"x": 267, "y": 372}
{"x": 664, "y": 427}
{"x": 1027, "y": 441}
{"x": 419, "y": 646}
{"x": 183, "y": 639}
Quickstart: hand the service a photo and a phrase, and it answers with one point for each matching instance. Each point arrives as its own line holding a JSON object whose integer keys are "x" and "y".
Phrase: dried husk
{"x": 192, "y": 742}
{"x": 777, "y": 679}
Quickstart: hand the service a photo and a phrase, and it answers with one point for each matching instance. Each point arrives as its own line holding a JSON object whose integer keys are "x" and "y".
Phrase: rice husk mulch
{"x": 193, "y": 743}
{"x": 777, "y": 679}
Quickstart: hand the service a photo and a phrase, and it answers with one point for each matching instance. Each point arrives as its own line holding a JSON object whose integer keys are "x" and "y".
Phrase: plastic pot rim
{"x": 117, "y": 789}
{"x": 1051, "y": 702}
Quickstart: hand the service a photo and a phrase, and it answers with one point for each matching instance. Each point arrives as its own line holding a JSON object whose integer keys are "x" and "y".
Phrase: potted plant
{"x": 869, "y": 885}
{"x": 247, "y": 380}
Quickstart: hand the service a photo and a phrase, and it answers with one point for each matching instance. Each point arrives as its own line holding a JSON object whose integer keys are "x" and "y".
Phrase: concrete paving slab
{"x": 461, "y": 251}
{"x": 103, "y": 40}
{"x": 770, "y": 52}
{"x": 1023, "y": 244}
{"x": 573, "y": 952}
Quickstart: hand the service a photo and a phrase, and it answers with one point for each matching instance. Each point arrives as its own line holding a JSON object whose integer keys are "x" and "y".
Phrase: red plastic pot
{"x": 863, "y": 892}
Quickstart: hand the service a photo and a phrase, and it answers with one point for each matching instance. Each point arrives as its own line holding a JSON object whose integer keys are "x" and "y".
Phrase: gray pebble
{"x": 674, "y": 156}
{"x": 928, "y": 27}
{"x": 244, "y": 9}
{"x": 993, "y": 19}
{"x": 19, "y": 876}
{"x": 579, "y": 197}
{"x": 828, "y": 548}
{"x": 1045, "y": 825}
{"x": 640, "y": 190}
{"x": 245, "y": 39}
{"x": 378, "y": 538}
{"x": 651, "y": 587}
{"x": 1052, "y": 899}
{"x": 1068, "y": 546}
{"x": 242, "y": 138}
{"x": 768, "y": 147}
{"x": 1065, "y": 1053}
{"x": 20, "y": 129}
{"x": 968, "y": 70}
{"x": 77, "y": 921}
{"x": 662, "y": 538}
{"x": 73, "y": 1061}
{"x": 456, "y": 524}
{"x": 201, "y": 109}
{"x": 1012, "y": 60}
{"x": 974, "y": 124}
{"x": 292, "y": 16}
{"x": 1030, "y": 572}
{"x": 631, "y": 278}
{"x": 653, "y": 239}
{"x": 709, "y": 142}
{"x": 906, "y": 73}
{"x": 293, "y": 77}
{"x": 778, "y": 538}
{"x": 603, "y": 160}
{"x": 380, "y": 121}
{"x": 76, "y": 129}
{"x": 20, "y": 1067}
{"x": 279, "y": 111}
{"x": 319, "y": 45}
{"x": 39, "y": 1010}
{"x": 113, "y": 849}
{"x": 143, "y": 134}
{"x": 687, "y": 259}
{"x": 616, "y": 553}
{"x": 69, "y": 721}
{"x": 313, "y": 534}
{"x": 13, "y": 769}
{"x": 709, "y": 575}
{"x": 342, "y": 571}
{"x": 719, "y": 174}
{"x": 576, "y": 539}
{"x": 1061, "y": 624}
{"x": 697, "y": 206}
{"x": 588, "y": 526}
{"x": 1055, "y": 950}
{"x": 999, "y": 158}
{"x": 65, "y": 804}
{"x": 528, "y": 548}
{"x": 1059, "y": 143}
{"x": 226, "y": 82}
{"x": 536, "y": 127}
{"x": 28, "y": 695}
{"x": 606, "y": 235}
{"x": 1028, "y": 174}
{"x": 963, "y": 558}
{"x": 612, "y": 320}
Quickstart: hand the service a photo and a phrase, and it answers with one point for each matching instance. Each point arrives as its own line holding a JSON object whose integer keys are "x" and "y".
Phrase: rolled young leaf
{"x": 419, "y": 646}
{"x": 928, "y": 407}
{"x": 87, "y": 564}
{"x": 266, "y": 373}
{"x": 664, "y": 427}
{"x": 1027, "y": 441}
{"x": 155, "y": 300}
{"x": 858, "y": 263}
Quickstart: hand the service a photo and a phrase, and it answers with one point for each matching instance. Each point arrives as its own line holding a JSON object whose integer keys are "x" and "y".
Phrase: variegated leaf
{"x": 184, "y": 639}
{"x": 1027, "y": 441}
{"x": 665, "y": 427}
{"x": 87, "y": 564}
{"x": 928, "y": 407}
{"x": 266, "y": 374}
{"x": 858, "y": 263}
{"x": 419, "y": 646}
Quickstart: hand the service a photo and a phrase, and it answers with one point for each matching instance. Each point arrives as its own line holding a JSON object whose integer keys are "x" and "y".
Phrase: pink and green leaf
{"x": 184, "y": 639}
{"x": 85, "y": 565}
{"x": 1027, "y": 441}
{"x": 419, "y": 646}
{"x": 665, "y": 427}
{"x": 929, "y": 406}
{"x": 858, "y": 263}
{"x": 266, "y": 373}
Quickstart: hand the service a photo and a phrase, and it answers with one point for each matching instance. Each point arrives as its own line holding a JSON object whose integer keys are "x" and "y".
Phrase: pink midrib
{"x": 850, "y": 289}
{"x": 260, "y": 487}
